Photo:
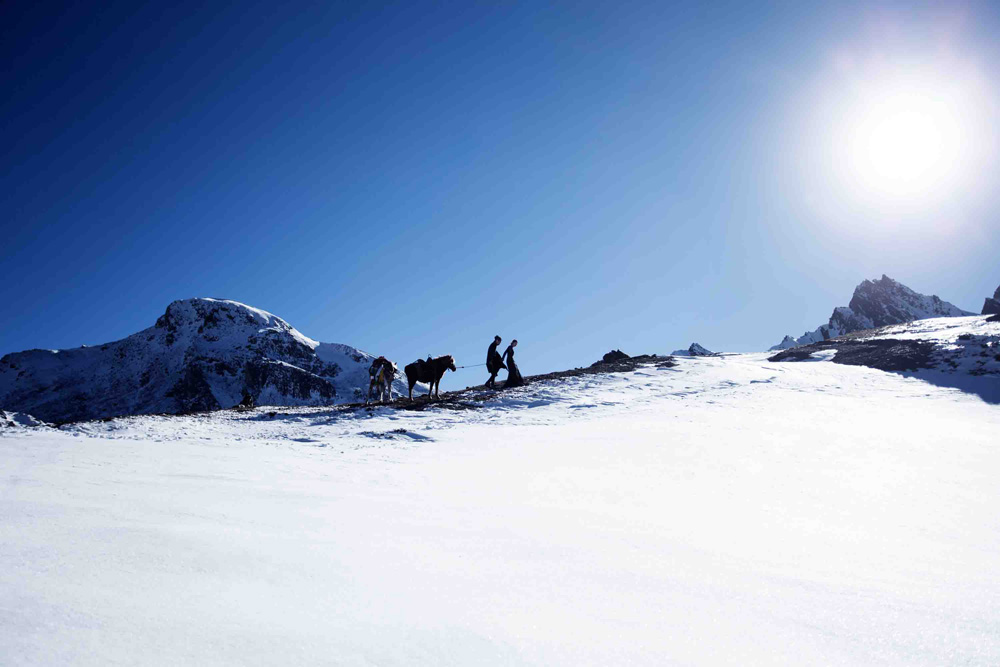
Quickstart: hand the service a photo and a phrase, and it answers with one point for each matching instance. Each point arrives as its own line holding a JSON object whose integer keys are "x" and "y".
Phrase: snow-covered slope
{"x": 876, "y": 303}
{"x": 202, "y": 354}
{"x": 724, "y": 511}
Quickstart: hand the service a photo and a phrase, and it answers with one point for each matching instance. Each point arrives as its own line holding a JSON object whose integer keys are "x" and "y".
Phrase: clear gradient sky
{"x": 413, "y": 178}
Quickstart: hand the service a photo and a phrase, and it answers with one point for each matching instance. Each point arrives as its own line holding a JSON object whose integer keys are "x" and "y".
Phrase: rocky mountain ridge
{"x": 876, "y": 303}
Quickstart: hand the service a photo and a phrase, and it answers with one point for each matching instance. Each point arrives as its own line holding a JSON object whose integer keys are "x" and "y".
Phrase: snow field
{"x": 728, "y": 511}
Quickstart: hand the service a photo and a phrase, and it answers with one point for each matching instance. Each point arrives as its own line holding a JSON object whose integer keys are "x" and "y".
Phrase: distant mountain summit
{"x": 202, "y": 354}
{"x": 695, "y": 350}
{"x": 876, "y": 303}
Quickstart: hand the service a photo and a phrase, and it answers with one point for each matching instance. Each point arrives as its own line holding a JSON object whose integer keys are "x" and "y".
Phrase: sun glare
{"x": 904, "y": 138}
{"x": 905, "y": 143}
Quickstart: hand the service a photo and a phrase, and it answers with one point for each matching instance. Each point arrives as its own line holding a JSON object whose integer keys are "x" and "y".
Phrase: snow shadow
{"x": 986, "y": 387}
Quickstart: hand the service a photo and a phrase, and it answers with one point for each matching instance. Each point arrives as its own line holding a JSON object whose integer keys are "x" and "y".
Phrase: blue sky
{"x": 413, "y": 178}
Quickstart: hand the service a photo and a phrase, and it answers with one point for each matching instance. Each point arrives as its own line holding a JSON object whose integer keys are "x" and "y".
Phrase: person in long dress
{"x": 514, "y": 378}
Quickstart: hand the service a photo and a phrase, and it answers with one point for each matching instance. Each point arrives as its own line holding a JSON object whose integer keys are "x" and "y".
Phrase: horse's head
{"x": 451, "y": 363}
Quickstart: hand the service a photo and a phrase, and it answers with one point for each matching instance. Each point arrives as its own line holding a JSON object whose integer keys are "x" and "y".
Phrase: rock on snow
{"x": 992, "y": 305}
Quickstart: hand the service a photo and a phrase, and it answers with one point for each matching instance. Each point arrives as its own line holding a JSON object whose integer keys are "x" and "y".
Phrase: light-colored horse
{"x": 381, "y": 374}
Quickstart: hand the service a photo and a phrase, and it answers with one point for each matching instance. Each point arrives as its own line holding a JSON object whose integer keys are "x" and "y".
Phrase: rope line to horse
{"x": 470, "y": 366}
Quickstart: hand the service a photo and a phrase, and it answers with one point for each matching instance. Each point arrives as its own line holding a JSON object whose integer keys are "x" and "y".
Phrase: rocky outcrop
{"x": 876, "y": 303}
{"x": 18, "y": 420}
{"x": 695, "y": 350}
{"x": 886, "y": 355}
{"x": 992, "y": 306}
{"x": 202, "y": 354}
{"x": 612, "y": 357}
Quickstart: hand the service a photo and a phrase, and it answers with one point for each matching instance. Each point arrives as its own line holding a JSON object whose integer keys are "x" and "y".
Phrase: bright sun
{"x": 904, "y": 138}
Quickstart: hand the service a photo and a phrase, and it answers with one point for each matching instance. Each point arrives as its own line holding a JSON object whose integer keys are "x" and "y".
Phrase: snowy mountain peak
{"x": 210, "y": 317}
{"x": 876, "y": 303}
{"x": 201, "y": 354}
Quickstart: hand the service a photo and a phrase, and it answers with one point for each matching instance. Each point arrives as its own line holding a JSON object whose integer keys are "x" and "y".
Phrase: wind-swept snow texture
{"x": 876, "y": 303}
{"x": 202, "y": 354}
{"x": 726, "y": 511}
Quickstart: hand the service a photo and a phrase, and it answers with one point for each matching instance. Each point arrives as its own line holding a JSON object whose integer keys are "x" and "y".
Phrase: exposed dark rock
{"x": 248, "y": 402}
{"x": 992, "y": 306}
{"x": 287, "y": 380}
{"x": 19, "y": 420}
{"x": 883, "y": 354}
{"x": 611, "y": 357}
{"x": 192, "y": 392}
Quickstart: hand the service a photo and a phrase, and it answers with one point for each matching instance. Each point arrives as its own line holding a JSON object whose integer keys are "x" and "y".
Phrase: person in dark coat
{"x": 514, "y": 378}
{"x": 493, "y": 363}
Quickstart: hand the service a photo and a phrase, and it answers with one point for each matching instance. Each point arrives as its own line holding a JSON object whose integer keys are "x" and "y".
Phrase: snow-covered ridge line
{"x": 201, "y": 354}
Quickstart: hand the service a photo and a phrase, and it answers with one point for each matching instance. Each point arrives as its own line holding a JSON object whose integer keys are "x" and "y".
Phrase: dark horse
{"x": 430, "y": 371}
